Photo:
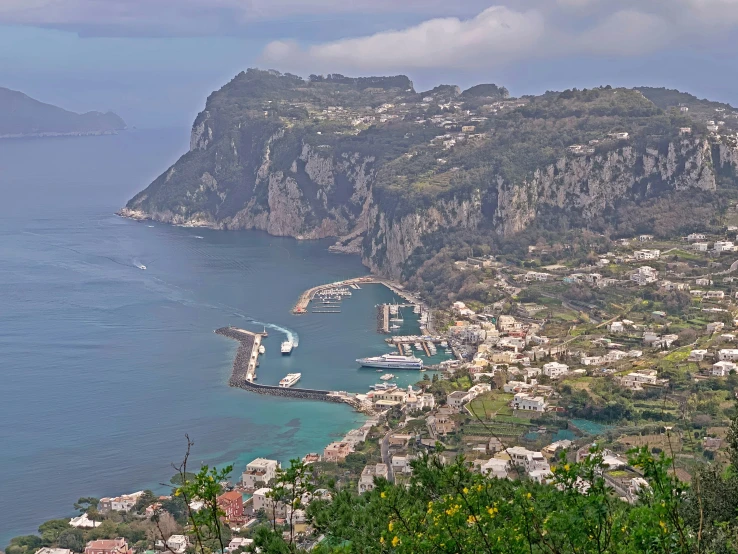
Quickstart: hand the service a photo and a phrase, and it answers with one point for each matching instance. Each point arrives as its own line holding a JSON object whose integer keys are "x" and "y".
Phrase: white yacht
{"x": 392, "y": 361}
{"x": 262, "y": 349}
{"x": 287, "y": 347}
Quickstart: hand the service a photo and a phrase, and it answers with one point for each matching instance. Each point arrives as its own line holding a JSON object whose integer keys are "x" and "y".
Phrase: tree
{"x": 50, "y": 530}
{"x": 291, "y": 486}
{"x": 73, "y": 539}
{"x": 85, "y": 503}
{"x": 204, "y": 486}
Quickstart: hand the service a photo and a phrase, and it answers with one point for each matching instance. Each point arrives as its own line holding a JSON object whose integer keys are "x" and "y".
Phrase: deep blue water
{"x": 104, "y": 367}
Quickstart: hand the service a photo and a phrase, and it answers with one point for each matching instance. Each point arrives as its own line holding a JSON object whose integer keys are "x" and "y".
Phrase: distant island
{"x": 22, "y": 116}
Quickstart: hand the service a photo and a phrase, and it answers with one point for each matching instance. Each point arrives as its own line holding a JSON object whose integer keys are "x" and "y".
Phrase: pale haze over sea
{"x": 104, "y": 366}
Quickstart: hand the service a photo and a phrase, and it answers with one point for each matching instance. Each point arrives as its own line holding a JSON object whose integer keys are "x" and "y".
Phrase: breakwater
{"x": 240, "y": 376}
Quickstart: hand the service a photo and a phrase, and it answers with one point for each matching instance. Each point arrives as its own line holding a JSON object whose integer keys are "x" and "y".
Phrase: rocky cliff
{"x": 276, "y": 153}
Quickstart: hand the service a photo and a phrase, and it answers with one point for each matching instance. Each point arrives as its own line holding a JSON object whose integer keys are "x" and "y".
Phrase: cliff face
{"x": 363, "y": 161}
{"x": 587, "y": 185}
{"x": 232, "y": 182}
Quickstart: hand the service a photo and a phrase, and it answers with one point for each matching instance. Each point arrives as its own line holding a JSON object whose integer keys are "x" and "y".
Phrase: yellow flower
{"x": 383, "y": 494}
{"x": 479, "y": 488}
{"x": 390, "y": 526}
{"x": 466, "y": 491}
{"x": 528, "y": 496}
{"x": 566, "y": 467}
{"x": 663, "y": 526}
{"x": 381, "y": 540}
{"x": 492, "y": 511}
{"x": 395, "y": 541}
{"x": 471, "y": 520}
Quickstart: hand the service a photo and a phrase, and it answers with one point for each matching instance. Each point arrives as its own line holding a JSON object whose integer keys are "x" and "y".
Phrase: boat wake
{"x": 291, "y": 335}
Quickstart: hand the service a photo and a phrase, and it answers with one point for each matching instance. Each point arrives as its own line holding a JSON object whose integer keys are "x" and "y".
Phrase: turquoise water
{"x": 106, "y": 366}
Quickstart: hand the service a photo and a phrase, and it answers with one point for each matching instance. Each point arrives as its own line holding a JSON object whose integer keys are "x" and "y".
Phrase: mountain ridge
{"x": 382, "y": 167}
{"x": 23, "y": 116}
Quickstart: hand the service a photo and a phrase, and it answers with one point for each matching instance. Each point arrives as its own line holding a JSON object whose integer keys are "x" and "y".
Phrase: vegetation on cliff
{"x": 339, "y": 156}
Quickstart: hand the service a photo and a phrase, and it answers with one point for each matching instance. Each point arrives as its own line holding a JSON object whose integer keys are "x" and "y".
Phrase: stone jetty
{"x": 243, "y": 378}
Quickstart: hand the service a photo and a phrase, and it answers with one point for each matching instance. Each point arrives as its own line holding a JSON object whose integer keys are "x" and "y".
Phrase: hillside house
{"x": 258, "y": 473}
{"x": 644, "y": 275}
{"x": 495, "y": 467}
{"x": 723, "y": 246}
{"x": 697, "y": 355}
{"x": 715, "y": 327}
{"x": 728, "y": 354}
{"x": 646, "y": 254}
{"x": 703, "y": 282}
{"x": 700, "y": 246}
{"x": 108, "y": 546}
{"x": 616, "y": 327}
{"x": 366, "y": 481}
{"x": 723, "y": 368}
{"x": 232, "y": 505}
{"x": 528, "y": 402}
{"x": 554, "y": 370}
{"x": 337, "y": 451}
{"x": 122, "y": 503}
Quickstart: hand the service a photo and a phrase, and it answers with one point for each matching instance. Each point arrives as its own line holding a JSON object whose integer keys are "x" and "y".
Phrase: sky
{"x": 154, "y": 62}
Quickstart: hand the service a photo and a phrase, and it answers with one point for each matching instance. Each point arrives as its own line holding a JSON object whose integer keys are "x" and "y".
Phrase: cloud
{"x": 444, "y": 42}
{"x": 203, "y": 17}
{"x": 502, "y": 35}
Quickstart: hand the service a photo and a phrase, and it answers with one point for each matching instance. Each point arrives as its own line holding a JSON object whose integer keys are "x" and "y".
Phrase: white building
{"x": 495, "y": 467}
{"x": 728, "y": 354}
{"x": 645, "y": 275}
{"x": 700, "y": 246}
{"x": 457, "y": 399}
{"x": 695, "y": 236}
{"x": 715, "y": 326}
{"x": 637, "y": 379}
{"x": 592, "y": 360}
{"x": 723, "y": 368}
{"x": 177, "y": 544}
{"x": 366, "y": 482}
{"x": 122, "y": 503}
{"x": 258, "y": 473}
{"x": 723, "y": 246}
{"x": 525, "y": 401}
{"x": 527, "y": 459}
{"x": 238, "y": 542}
{"x": 647, "y": 254}
{"x": 554, "y": 370}
{"x": 401, "y": 464}
{"x": 697, "y": 355}
{"x": 616, "y": 327}
{"x": 702, "y": 282}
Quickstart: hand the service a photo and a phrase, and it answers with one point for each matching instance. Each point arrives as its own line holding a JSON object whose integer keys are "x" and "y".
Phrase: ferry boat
{"x": 262, "y": 349}
{"x": 286, "y": 347}
{"x": 387, "y": 377}
{"x": 383, "y": 386}
{"x": 290, "y": 380}
{"x": 392, "y": 361}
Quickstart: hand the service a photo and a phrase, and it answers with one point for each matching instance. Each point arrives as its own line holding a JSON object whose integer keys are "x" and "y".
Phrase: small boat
{"x": 444, "y": 344}
{"x": 394, "y": 326}
{"x": 387, "y": 377}
{"x": 261, "y": 349}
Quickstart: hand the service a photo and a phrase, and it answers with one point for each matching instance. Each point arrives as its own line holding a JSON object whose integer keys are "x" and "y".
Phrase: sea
{"x": 105, "y": 366}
